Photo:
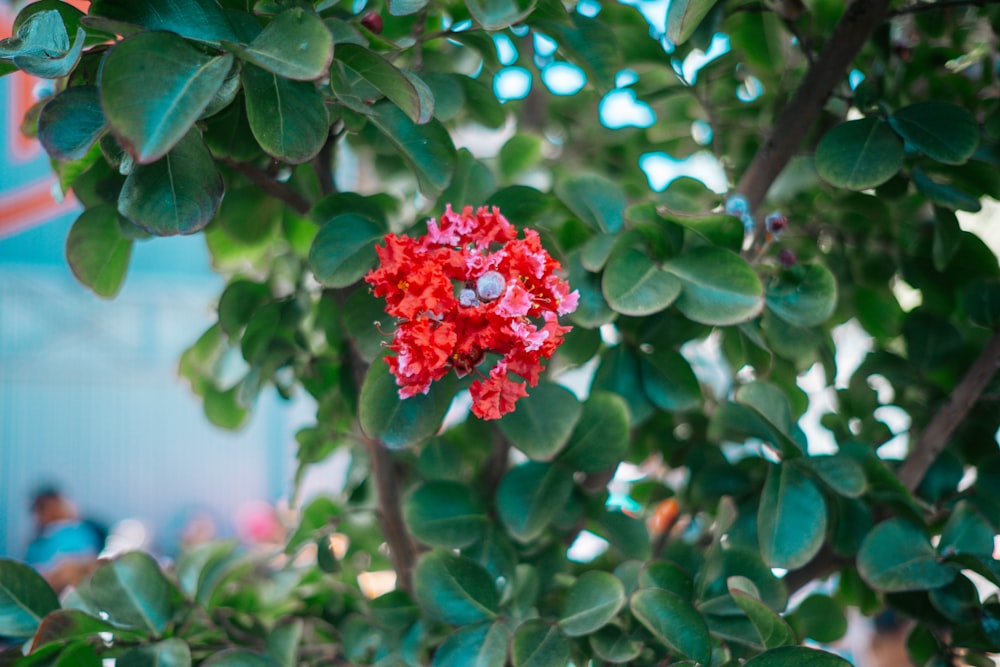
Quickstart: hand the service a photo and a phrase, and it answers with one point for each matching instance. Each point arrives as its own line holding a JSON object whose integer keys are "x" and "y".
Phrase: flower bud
{"x": 490, "y": 285}
{"x": 372, "y": 21}
{"x": 467, "y": 297}
{"x": 787, "y": 258}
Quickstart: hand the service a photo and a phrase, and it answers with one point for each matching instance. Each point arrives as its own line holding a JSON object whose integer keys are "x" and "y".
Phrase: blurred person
{"x": 66, "y": 546}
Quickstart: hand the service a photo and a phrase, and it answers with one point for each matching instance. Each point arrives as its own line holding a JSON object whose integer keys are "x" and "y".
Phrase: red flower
{"x": 469, "y": 288}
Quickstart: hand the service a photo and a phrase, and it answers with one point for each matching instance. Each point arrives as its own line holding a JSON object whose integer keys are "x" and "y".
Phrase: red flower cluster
{"x": 469, "y": 288}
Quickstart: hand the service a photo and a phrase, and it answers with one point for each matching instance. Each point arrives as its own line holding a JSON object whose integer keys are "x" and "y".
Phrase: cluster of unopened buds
{"x": 467, "y": 289}
{"x": 775, "y": 223}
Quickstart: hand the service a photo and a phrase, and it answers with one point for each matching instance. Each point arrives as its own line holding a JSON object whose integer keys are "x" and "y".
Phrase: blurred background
{"x": 90, "y": 399}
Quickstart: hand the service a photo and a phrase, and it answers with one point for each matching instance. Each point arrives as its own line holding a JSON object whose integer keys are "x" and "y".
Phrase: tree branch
{"x": 275, "y": 188}
{"x": 965, "y": 394}
{"x": 855, "y": 27}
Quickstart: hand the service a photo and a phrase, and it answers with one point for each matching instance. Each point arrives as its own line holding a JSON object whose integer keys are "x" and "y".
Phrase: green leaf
{"x": 673, "y": 622}
{"x": 589, "y": 43}
{"x": 444, "y": 514}
{"x": 401, "y": 422}
{"x": 719, "y": 287}
{"x": 519, "y": 154}
{"x": 593, "y": 310}
{"x": 942, "y": 131}
{"x": 472, "y": 184}
{"x": 284, "y": 640}
{"x": 295, "y": 45}
{"x": 404, "y": 89}
{"x": 178, "y": 194}
{"x": 947, "y": 238}
{"x": 406, "y": 7}
{"x": 820, "y": 618}
{"x": 427, "y": 148}
{"x": 71, "y": 122}
{"x": 628, "y": 534}
{"x": 771, "y": 404}
{"x": 796, "y": 656}
{"x": 237, "y": 657}
{"x": 543, "y": 422}
{"x": 134, "y": 593}
{"x": 530, "y": 496}
{"x": 41, "y": 47}
{"x": 859, "y": 154}
{"x": 344, "y": 249}
{"x": 944, "y": 195}
{"x": 224, "y": 409}
{"x": 595, "y": 252}
{"x": 898, "y": 556}
{"x": 202, "y": 20}
{"x": 477, "y": 646}
{"x": 772, "y": 629}
{"x": 499, "y": 14}
{"x": 168, "y": 653}
{"x": 25, "y": 598}
{"x": 668, "y": 380}
{"x": 725, "y": 231}
{"x": 239, "y": 301}
{"x": 840, "y": 472}
{"x": 684, "y": 16}
{"x": 97, "y": 251}
{"x": 600, "y": 438}
{"x": 982, "y": 302}
{"x": 634, "y": 285}
{"x": 804, "y": 295}
{"x": 668, "y": 576}
{"x": 612, "y": 645}
{"x": 597, "y": 201}
{"x": 178, "y": 83}
{"x": 967, "y": 532}
{"x": 288, "y": 118}
{"x": 791, "y": 521}
{"x": 454, "y": 589}
{"x": 538, "y": 644}
{"x": 65, "y": 625}
{"x": 591, "y": 603}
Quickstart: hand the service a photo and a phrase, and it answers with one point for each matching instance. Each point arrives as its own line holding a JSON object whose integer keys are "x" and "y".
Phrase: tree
{"x": 310, "y": 142}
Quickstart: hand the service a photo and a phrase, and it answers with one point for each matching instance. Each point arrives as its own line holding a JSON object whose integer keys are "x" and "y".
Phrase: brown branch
{"x": 273, "y": 187}
{"x": 941, "y": 4}
{"x": 852, "y": 31}
{"x": 936, "y": 434}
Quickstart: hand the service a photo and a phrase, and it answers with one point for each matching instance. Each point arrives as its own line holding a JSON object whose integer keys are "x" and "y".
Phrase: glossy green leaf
{"x": 898, "y": 556}
{"x": 597, "y": 201}
{"x": 673, "y": 622}
{"x": 406, "y": 7}
{"x": 668, "y": 380}
{"x": 65, "y": 625}
{"x": 473, "y": 183}
{"x": 542, "y": 423}
{"x": 426, "y": 148}
{"x": 530, "y": 496}
{"x": 25, "y": 598}
{"x": 177, "y": 194}
{"x": 944, "y": 195}
{"x": 539, "y": 644}
{"x": 295, "y": 45}
{"x": 444, "y": 514}
{"x": 725, "y": 231}
{"x": 804, "y": 295}
{"x": 859, "y": 154}
{"x": 71, "y": 122}
{"x": 404, "y": 89}
{"x": 942, "y": 131}
{"x": 344, "y": 249}
{"x": 591, "y": 603}
{"x": 614, "y": 646}
{"x": 401, "y": 422}
{"x": 634, "y": 285}
{"x": 820, "y": 618}
{"x": 771, "y": 628}
{"x": 177, "y": 84}
{"x": 597, "y": 250}
{"x": 134, "y": 593}
{"x": 284, "y": 640}
{"x": 770, "y": 403}
{"x": 224, "y": 409}
{"x": 840, "y": 472}
{"x": 718, "y": 286}
{"x": 97, "y": 251}
{"x": 592, "y": 310}
{"x": 454, "y": 589}
{"x": 791, "y": 521}
{"x": 589, "y": 43}
{"x": 477, "y": 646}
{"x": 41, "y": 46}
{"x": 202, "y": 20}
{"x": 600, "y": 437}
{"x": 684, "y": 16}
{"x": 796, "y": 656}
{"x": 237, "y": 657}
{"x": 947, "y": 238}
{"x": 499, "y": 14}
{"x": 967, "y": 532}
{"x": 666, "y": 575}
{"x": 982, "y": 302}
{"x": 288, "y": 118}
{"x": 520, "y": 153}
{"x": 172, "y": 652}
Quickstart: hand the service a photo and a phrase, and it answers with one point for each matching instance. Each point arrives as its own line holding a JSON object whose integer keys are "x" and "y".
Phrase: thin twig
{"x": 936, "y": 434}
{"x": 273, "y": 187}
